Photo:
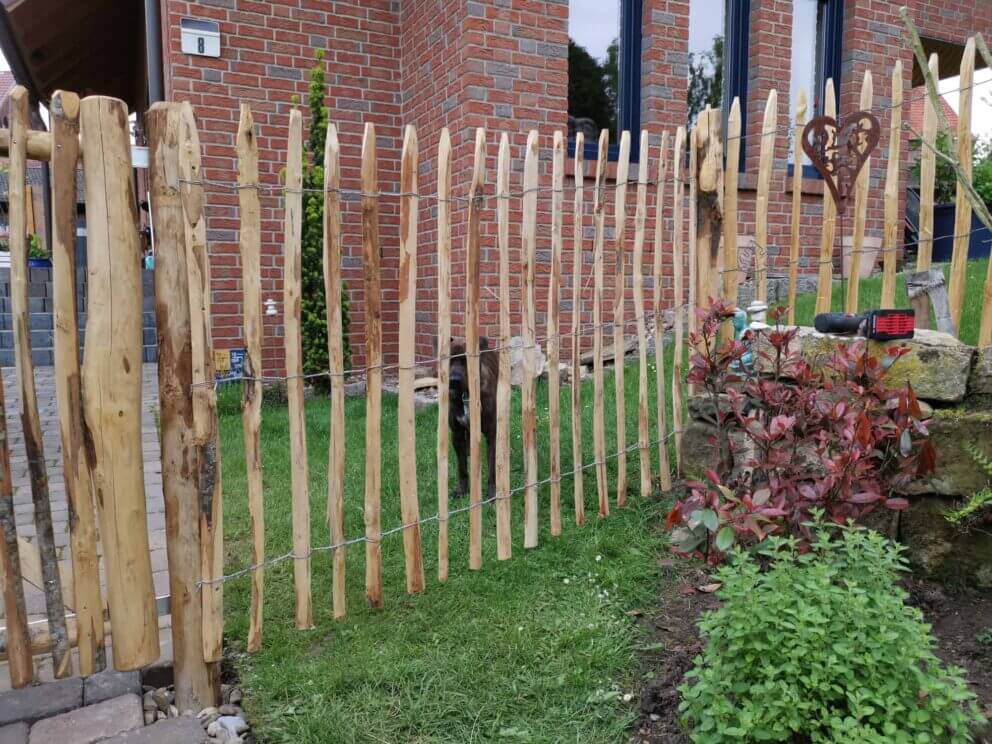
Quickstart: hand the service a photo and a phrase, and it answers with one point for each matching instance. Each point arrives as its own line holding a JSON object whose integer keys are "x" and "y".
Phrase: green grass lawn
{"x": 539, "y": 648}
{"x": 870, "y": 291}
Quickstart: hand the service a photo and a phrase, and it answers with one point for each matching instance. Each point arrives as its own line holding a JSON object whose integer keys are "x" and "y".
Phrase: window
{"x": 604, "y": 72}
{"x": 816, "y": 48}
{"x": 718, "y": 39}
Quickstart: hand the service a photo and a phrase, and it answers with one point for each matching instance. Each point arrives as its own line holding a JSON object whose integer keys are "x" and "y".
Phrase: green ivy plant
{"x": 313, "y": 304}
{"x": 979, "y": 505}
{"x": 821, "y": 647}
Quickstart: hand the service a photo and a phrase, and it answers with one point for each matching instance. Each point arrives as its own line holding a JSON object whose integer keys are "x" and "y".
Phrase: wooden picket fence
{"x": 99, "y": 396}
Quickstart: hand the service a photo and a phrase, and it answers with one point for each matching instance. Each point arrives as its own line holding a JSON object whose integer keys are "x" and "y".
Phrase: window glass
{"x": 807, "y": 58}
{"x": 707, "y": 32}
{"x": 593, "y": 67}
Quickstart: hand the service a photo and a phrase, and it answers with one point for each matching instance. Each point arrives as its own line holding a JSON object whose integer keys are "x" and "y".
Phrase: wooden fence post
{"x": 962, "y": 210}
{"x": 554, "y": 342}
{"x": 664, "y": 468}
{"x": 731, "y": 264}
{"x": 18, "y": 641}
{"x": 640, "y": 218}
{"x": 293, "y": 343}
{"x": 598, "y": 417}
{"x": 860, "y": 210}
{"x": 197, "y": 683}
{"x": 693, "y": 159}
{"x": 677, "y": 228}
{"x": 825, "y": 279}
{"x": 620, "y": 313}
{"x": 75, "y": 468}
{"x": 204, "y": 391}
{"x": 928, "y": 172}
{"x": 768, "y": 129}
{"x": 55, "y": 611}
{"x": 529, "y": 251}
{"x": 578, "y": 204}
{"x": 504, "y": 545}
{"x": 406, "y": 413}
{"x": 443, "y": 343}
{"x": 373, "y": 364}
{"x": 892, "y": 189}
{"x": 472, "y": 350}
{"x": 249, "y": 237}
{"x": 112, "y": 379}
{"x": 709, "y": 207}
{"x": 797, "y": 201}
{"x": 335, "y": 356}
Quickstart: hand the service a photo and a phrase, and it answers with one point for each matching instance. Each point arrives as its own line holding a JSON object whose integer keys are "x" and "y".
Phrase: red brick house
{"x": 504, "y": 65}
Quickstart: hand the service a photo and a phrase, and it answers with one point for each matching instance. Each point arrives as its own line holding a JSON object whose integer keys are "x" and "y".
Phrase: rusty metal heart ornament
{"x": 839, "y": 151}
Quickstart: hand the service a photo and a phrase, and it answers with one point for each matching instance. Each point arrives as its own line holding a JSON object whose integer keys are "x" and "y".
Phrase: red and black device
{"x": 877, "y": 325}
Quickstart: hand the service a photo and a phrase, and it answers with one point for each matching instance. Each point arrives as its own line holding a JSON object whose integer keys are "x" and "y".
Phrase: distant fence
{"x": 99, "y": 398}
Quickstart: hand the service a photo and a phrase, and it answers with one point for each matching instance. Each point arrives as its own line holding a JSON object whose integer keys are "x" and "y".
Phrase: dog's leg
{"x": 459, "y": 436}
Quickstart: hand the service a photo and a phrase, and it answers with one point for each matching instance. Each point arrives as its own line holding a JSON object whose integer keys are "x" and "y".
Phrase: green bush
{"x": 821, "y": 647}
{"x": 313, "y": 303}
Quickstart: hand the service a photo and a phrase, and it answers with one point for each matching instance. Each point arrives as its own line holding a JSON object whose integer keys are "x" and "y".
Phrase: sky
{"x": 594, "y": 24}
{"x": 981, "y": 100}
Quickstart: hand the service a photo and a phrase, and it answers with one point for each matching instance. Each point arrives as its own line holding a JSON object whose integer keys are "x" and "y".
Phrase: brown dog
{"x": 458, "y": 410}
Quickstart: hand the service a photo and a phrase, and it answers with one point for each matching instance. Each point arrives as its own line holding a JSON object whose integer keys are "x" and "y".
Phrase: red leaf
{"x": 928, "y": 459}
{"x": 674, "y": 517}
{"x": 865, "y": 497}
{"x": 897, "y": 504}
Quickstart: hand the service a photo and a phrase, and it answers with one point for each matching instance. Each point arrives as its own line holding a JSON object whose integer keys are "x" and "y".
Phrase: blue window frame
{"x": 826, "y": 60}
{"x": 623, "y": 94}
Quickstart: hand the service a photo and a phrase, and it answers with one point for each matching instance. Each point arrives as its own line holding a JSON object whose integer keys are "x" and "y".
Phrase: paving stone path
{"x": 24, "y": 510}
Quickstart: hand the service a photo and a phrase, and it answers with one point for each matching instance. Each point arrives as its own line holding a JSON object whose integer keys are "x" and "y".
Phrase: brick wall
{"x": 502, "y": 65}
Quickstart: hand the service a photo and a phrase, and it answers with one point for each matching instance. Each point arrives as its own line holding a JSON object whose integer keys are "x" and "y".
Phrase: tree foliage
{"x": 313, "y": 304}
{"x": 594, "y": 87}
{"x": 705, "y": 79}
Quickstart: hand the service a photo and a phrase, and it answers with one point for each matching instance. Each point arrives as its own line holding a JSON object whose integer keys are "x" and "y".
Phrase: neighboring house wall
{"x": 501, "y": 64}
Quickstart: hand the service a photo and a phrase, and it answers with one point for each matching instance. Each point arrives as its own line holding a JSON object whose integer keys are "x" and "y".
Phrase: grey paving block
{"x": 90, "y": 724}
{"x": 15, "y": 733}
{"x": 169, "y": 731}
{"x": 107, "y": 685}
{"x": 41, "y": 701}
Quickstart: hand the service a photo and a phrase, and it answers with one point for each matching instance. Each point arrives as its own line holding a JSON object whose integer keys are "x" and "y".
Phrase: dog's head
{"x": 458, "y": 379}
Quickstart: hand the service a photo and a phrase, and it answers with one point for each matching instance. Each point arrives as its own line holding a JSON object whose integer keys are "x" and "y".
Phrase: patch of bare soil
{"x": 961, "y": 620}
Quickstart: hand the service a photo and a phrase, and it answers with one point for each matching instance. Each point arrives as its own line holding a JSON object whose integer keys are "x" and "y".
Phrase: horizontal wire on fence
{"x": 269, "y": 562}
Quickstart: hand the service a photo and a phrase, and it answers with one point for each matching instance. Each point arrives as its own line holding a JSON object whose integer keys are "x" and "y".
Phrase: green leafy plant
{"x": 35, "y": 248}
{"x": 822, "y": 647}
{"x": 978, "y": 507}
{"x": 313, "y": 303}
{"x": 985, "y": 637}
{"x": 945, "y": 179}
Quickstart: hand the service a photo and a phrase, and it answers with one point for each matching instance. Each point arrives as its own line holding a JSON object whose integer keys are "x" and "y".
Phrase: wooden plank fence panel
{"x": 578, "y": 205}
{"x": 504, "y": 548}
{"x": 664, "y": 467}
{"x": 860, "y": 210}
{"x": 962, "y": 210}
{"x": 75, "y": 468}
{"x": 554, "y": 342}
{"x": 765, "y": 160}
{"x": 335, "y": 357}
{"x": 472, "y": 350}
{"x": 528, "y": 388}
{"x": 678, "y": 195}
{"x": 892, "y": 190}
{"x": 928, "y": 172}
{"x": 373, "y": 363}
{"x": 797, "y": 201}
{"x": 598, "y": 417}
{"x": 640, "y": 218}
{"x": 197, "y": 683}
{"x": 292, "y": 289}
{"x": 443, "y": 343}
{"x": 620, "y": 313}
{"x": 825, "y": 279}
{"x": 112, "y": 378}
{"x": 250, "y": 244}
{"x": 204, "y": 393}
{"x": 406, "y": 413}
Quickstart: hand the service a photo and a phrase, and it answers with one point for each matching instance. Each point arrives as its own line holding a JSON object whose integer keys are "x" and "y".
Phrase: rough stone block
{"x": 942, "y": 550}
{"x": 937, "y": 366}
{"x": 90, "y": 724}
{"x": 980, "y": 380}
{"x": 956, "y": 472}
{"x": 15, "y": 733}
{"x": 169, "y": 731}
{"x": 34, "y": 703}
{"x": 107, "y": 685}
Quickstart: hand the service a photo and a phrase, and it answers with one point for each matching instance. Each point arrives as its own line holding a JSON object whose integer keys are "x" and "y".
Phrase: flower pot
{"x": 40, "y": 263}
{"x": 943, "y": 232}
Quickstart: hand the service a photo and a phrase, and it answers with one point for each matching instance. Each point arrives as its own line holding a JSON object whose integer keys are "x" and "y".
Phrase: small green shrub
{"x": 821, "y": 647}
{"x": 985, "y": 637}
{"x": 979, "y": 505}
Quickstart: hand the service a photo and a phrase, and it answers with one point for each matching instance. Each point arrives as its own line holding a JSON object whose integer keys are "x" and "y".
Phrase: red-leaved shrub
{"x": 795, "y": 438}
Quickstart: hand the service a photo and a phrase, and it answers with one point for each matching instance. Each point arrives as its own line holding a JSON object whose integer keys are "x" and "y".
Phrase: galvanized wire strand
{"x": 269, "y": 562}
